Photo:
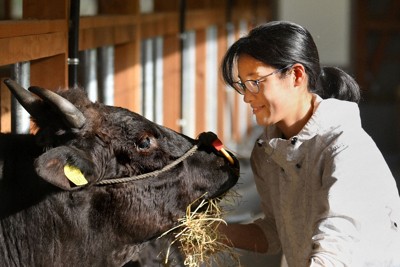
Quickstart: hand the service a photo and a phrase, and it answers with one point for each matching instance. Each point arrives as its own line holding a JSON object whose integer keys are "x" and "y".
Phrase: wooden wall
{"x": 41, "y": 37}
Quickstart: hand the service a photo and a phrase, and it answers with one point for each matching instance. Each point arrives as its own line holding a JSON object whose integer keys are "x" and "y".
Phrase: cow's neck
{"x": 19, "y": 184}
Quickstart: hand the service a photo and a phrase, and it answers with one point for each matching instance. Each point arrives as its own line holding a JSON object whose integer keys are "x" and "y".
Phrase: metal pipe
{"x": 188, "y": 121}
{"x": 73, "y": 43}
{"x": 148, "y": 79}
{"x": 106, "y": 74}
{"x": 20, "y": 121}
{"x": 88, "y": 72}
{"x": 211, "y": 78}
{"x": 182, "y": 28}
{"x": 158, "y": 81}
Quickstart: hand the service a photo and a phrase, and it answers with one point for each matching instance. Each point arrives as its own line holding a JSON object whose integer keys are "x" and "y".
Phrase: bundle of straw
{"x": 198, "y": 238}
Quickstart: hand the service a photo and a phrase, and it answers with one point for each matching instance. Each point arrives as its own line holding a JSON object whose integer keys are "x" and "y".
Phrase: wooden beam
{"x": 30, "y": 47}
{"x": 159, "y": 24}
{"x": 48, "y": 52}
{"x": 46, "y": 9}
{"x": 107, "y": 30}
{"x": 120, "y": 7}
{"x": 201, "y": 19}
{"x": 50, "y": 72}
{"x": 20, "y": 28}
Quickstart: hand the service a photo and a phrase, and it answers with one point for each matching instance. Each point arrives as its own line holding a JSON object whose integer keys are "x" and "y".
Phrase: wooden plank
{"x": 107, "y": 30}
{"x": 205, "y": 4}
{"x": 46, "y": 9}
{"x": 124, "y": 34}
{"x": 50, "y": 72}
{"x": 127, "y": 76}
{"x": 5, "y": 108}
{"x": 243, "y": 13}
{"x": 12, "y": 28}
{"x": 30, "y": 47}
{"x": 201, "y": 19}
{"x": 118, "y": 6}
{"x": 166, "y": 6}
{"x": 172, "y": 82}
{"x": 105, "y": 21}
{"x": 159, "y": 24}
{"x": 96, "y": 37}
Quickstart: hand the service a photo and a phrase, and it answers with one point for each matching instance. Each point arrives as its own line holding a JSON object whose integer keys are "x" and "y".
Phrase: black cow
{"x": 48, "y": 219}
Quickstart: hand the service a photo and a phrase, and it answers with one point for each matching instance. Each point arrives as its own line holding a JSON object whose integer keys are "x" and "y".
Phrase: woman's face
{"x": 275, "y": 103}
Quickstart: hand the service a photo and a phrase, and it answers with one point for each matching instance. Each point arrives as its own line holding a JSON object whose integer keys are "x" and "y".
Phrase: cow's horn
{"x": 71, "y": 114}
{"x": 25, "y": 98}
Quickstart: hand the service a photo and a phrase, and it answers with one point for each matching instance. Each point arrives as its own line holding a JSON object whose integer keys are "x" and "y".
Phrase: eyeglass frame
{"x": 242, "y": 85}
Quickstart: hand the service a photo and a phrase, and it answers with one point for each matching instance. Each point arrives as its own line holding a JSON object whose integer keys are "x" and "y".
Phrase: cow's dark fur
{"x": 46, "y": 221}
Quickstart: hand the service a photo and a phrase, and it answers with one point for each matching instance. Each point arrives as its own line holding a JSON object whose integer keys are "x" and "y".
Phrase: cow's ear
{"x": 66, "y": 168}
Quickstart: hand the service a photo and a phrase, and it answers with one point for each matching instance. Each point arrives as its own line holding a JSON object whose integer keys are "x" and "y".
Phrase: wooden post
{"x": 127, "y": 76}
{"x": 172, "y": 82}
{"x": 50, "y": 72}
{"x": 126, "y": 57}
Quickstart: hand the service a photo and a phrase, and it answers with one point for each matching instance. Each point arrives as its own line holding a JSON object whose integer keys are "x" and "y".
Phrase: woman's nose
{"x": 248, "y": 96}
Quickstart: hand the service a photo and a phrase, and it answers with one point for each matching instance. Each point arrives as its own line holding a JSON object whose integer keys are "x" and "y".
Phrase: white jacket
{"x": 328, "y": 196}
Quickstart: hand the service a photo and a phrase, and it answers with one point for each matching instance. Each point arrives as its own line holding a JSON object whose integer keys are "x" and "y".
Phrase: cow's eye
{"x": 144, "y": 143}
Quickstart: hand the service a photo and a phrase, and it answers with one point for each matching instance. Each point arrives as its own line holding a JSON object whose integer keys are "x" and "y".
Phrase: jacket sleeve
{"x": 267, "y": 223}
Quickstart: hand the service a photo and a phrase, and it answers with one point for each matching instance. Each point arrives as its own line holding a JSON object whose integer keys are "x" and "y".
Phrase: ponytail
{"x": 282, "y": 43}
{"x": 335, "y": 83}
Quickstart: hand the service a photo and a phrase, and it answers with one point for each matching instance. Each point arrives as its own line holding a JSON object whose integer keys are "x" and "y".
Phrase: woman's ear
{"x": 300, "y": 76}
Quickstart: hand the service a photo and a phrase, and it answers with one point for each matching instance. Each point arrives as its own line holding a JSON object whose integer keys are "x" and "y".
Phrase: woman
{"x": 328, "y": 196}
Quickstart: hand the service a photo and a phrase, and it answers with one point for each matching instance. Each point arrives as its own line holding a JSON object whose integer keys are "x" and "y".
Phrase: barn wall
{"x": 40, "y": 37}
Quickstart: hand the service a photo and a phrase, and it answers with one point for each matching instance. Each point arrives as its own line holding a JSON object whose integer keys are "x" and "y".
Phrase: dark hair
{"x": 281, "y": 44}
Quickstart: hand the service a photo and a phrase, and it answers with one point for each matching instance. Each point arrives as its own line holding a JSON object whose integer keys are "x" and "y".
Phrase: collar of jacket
{"x": 330, "y": 117}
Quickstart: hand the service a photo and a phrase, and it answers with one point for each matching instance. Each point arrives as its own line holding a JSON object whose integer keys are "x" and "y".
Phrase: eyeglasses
{"x": 253, "y": 85}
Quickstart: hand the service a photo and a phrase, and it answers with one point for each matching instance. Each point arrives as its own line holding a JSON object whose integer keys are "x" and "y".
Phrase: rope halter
{"x": 189, "y": 153}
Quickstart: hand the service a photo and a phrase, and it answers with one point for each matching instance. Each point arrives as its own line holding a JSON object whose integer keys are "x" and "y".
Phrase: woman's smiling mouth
{"x": 257, "y": 109}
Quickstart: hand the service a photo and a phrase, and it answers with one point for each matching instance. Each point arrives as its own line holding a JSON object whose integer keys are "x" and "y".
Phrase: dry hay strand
{"x": 198, "y": 238}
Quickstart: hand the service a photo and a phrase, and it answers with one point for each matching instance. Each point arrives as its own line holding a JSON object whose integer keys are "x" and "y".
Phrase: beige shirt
{"x": 328, "y": 196}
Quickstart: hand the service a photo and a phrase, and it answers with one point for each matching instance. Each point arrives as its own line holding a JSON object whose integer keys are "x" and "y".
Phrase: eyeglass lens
{"x": 250, "y": 85}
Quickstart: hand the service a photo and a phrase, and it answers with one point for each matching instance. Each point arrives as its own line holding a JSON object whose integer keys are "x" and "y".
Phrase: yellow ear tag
{"x": 75, "y": 175}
